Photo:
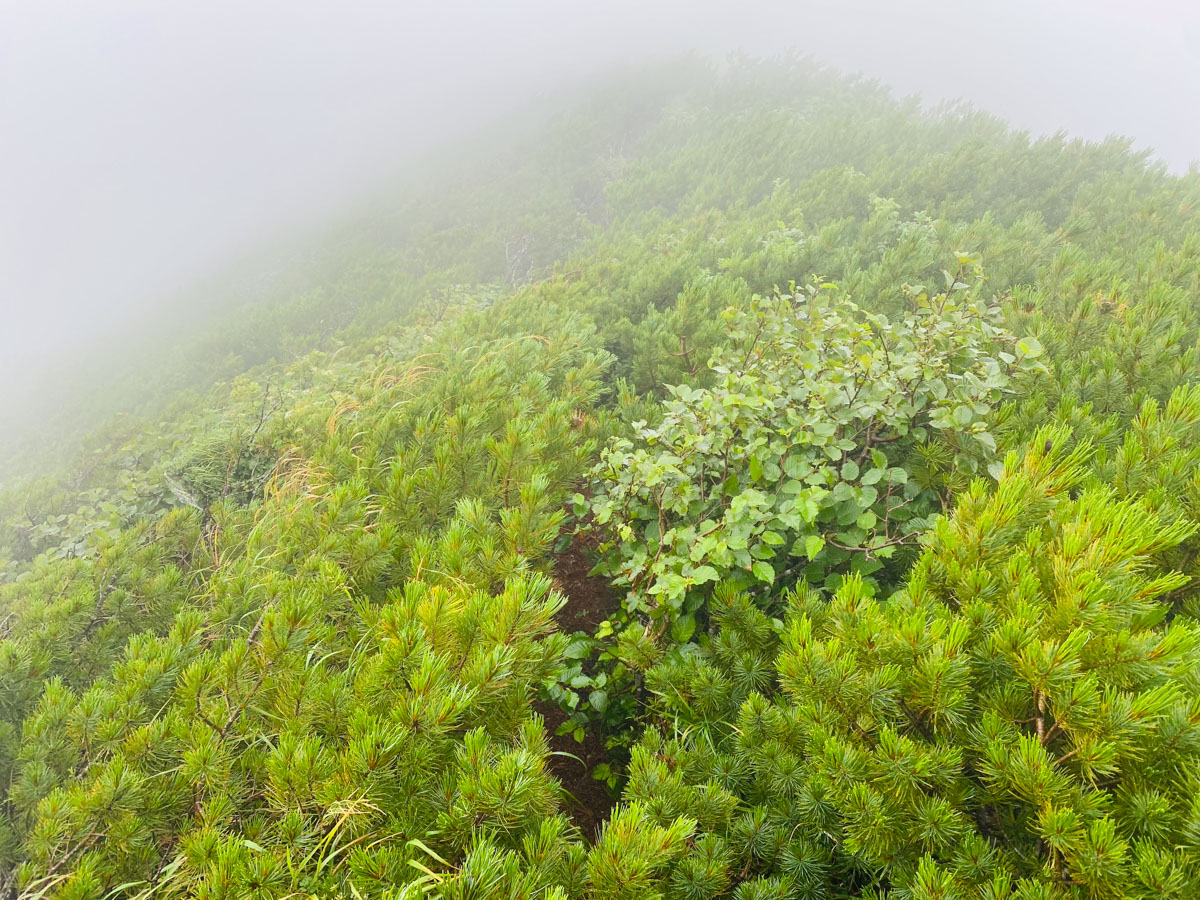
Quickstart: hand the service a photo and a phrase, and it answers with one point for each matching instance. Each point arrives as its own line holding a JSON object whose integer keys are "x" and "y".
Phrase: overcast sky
{"x": 144, "y": 143}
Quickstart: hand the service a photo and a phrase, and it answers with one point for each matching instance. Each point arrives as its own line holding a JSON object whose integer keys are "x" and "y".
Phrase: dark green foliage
{"x": 798, "y": 458}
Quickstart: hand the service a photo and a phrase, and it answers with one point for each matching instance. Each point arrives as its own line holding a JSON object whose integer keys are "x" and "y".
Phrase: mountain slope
{"x": 878, "y": 420}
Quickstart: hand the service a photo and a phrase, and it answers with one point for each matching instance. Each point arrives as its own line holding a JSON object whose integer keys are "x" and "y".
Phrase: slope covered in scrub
{"x": 879, "y": 425}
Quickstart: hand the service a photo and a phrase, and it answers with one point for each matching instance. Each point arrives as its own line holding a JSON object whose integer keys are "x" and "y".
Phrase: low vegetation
{"x": 880, "y": 428}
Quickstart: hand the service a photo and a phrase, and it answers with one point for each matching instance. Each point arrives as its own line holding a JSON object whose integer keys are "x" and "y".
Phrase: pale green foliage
{"x": 346, "y": 665}
{"x": 632, "y": 854}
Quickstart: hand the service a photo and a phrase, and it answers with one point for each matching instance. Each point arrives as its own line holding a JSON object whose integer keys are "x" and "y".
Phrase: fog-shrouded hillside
{"x": 722, "y": 481}
{"x": 486, "y": 188}
{"x": 154, "y": 145}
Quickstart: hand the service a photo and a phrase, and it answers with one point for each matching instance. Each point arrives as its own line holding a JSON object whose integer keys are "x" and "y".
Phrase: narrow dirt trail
{"x": 589, "y": 601}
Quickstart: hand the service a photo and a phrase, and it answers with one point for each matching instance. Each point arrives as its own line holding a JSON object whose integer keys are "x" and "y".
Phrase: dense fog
{"x": 146, "y": 145}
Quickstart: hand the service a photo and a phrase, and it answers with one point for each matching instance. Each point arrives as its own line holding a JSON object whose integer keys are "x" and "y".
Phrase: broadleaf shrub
{"x": 802, "y": 459}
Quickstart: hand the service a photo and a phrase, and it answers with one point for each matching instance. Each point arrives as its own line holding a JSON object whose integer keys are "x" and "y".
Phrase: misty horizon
{"x": 157, "y": 147}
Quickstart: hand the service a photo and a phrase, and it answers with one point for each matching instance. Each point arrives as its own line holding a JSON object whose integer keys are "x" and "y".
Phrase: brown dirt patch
{"x": 590, "y": 599}
{"x": 589, "y": 801}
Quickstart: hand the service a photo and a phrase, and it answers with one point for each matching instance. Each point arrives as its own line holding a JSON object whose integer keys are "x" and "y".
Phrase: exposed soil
{"x": 589, "y": 799}
{"x": 590, "y": 598}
